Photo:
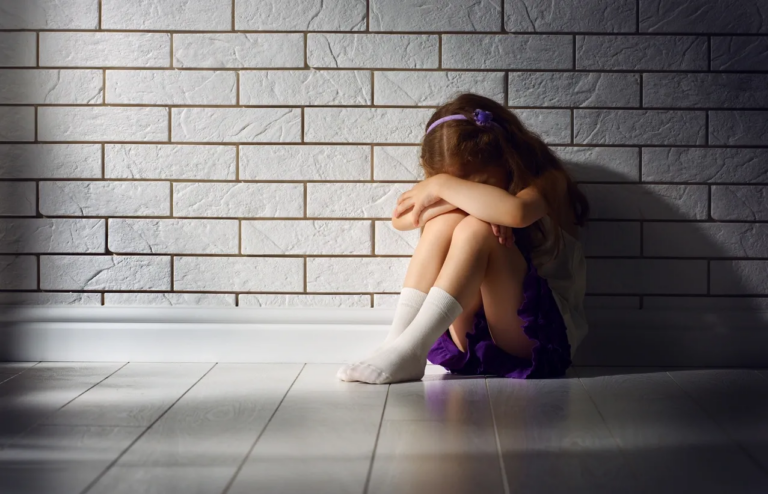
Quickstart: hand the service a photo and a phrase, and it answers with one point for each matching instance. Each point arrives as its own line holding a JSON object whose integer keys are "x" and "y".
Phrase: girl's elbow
{"x": 516, "y": 220}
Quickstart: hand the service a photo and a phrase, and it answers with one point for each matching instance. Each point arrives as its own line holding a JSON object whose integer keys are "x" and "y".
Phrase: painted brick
{"x": 647, "y": 202}
{"x": 356, "y": 274}
{"x": 507, "y": 51}
{"x": 105, "y": 272}
{"x": 25, "y": 86}
{"x": 706, "y": 303}
{"x": 359, "y": 301}
{"x": 155, "y": 236}
{"x": 238, "y": 50}
{"x": 171, "y": 87}
{"x": 733, "y": 202}
{"x": 570, "y": 15}
{"x": 652, "y": 276}
{"x": 385, "y": 300}
{"x": 242, "y": 274}
{"x": 167, "y": 15}
{"x": 739, "y": 53}
{"x": 236, "y": 125}
{"x": 170, "y": 299}
{"x": 18, "y": 49}
{"x": 305, "y": 87}
{"x": 642, "y": 52}
{"x": 597, "y": 164}
{"x": 705, "y": 90}
{"x": 325, "y": 106}
{"x": 37, "y": 298}
{"x": 301, "y": 15}
{"x": 170, "y": 161}
{"x": 105, "y": 198}
{"x": 341, "y": 200}
{"x": 36, "y": 14}
{"x": 705, "y": 239}
{"x": 102, "y": 124}
{"x": 396, "y": 125}
{"x": 659, "y": 127}
{"x": 739, "y": 277}
{"x": 305, "y": 162}
{"x": 738, "y": 128}
{"x": 573, "y": 89}
{"x": 607, "y": 238}
{"x": 314, "y": 237}
{"x": 394, "y": 242}
{"x": 105, "y": 50}
{"x": 238, "y": 200}
{"x": 19, "y": 272}
{"x": 18, "y": 199}
{"x": 397, "y": 163}
{"x": 50, "y": 161}
{"x": 17, "y": 123}
{"x": 448, "y": 15}
{"x": 553, "y": 126}
{"x": 703, "y": 16}
{"x": 714, "y": 165}
{"x": 44, "y": 235}
{"x": 434, "y": 88}
{"x": 381, "y": 51}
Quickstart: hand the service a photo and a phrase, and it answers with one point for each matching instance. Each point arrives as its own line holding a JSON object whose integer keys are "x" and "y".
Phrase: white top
{"x": 567, "y": 277}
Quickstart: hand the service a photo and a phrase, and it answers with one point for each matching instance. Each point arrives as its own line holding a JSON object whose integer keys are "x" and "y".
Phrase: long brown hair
{"x": 463, "y": 148}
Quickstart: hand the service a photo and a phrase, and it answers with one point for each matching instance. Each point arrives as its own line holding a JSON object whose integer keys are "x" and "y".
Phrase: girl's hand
{"x": 423, "y": 194}
{"x": 505, "y": 234}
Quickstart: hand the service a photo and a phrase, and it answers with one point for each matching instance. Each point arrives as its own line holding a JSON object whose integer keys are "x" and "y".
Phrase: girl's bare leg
{"x": 430, "y": 252}
{"x": 427, "y": 261}
{"x": 476, "y": 260}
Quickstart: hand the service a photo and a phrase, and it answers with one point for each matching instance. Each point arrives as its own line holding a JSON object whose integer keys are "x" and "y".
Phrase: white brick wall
{"x": 250, "y": 152}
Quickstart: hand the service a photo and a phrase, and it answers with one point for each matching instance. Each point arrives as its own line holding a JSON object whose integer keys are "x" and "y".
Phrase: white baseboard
{"x": 318, "y": 335}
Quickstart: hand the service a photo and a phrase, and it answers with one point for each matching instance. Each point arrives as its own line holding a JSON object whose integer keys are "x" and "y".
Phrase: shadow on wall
{"x": 665, "y": 282}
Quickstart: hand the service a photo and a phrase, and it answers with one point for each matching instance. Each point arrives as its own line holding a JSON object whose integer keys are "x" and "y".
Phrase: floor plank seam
{"x": 629, "y": 464}
{"x": 504, "y": 479}
{"x": 719, "y": 426}
{"x": 376, "y": 442}
{"x": 760, "y": 373}
{"x": 146, "y": 429}
{"x": 22, "y": 371}
{"x": 46, "y": 417}
{"x": 250, "y": 450}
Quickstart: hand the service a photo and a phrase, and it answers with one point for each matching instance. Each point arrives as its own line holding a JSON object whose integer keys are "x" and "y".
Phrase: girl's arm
{"x": 490, "y": 203}
{"x": 405, "y": 221}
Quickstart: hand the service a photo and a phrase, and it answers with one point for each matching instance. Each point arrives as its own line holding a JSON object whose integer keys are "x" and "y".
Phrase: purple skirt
{"x": 542, "y": 322}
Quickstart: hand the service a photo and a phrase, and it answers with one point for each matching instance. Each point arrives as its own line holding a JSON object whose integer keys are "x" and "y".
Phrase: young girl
{"x": 498, "y": 263}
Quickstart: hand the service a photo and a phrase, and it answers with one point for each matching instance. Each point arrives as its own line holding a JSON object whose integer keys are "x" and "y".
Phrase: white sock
{"x": 406, "y": 357}
{"x": 408, "y": 305}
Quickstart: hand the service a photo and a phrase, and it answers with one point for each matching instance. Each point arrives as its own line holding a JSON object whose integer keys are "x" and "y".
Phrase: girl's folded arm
{"x": 494, "y": 204}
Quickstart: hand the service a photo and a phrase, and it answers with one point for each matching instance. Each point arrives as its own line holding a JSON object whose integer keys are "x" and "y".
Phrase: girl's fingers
{"x": 402, "y": 197}
{"x": 495, "y": 229}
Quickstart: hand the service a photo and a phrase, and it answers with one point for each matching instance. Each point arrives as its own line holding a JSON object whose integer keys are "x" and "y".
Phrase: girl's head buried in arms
{"x": 475, "y": 138}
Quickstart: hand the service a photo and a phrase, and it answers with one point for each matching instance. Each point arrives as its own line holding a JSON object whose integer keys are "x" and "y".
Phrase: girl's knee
{"x": 472, "y": 227}
{"x": 445, "y": 223}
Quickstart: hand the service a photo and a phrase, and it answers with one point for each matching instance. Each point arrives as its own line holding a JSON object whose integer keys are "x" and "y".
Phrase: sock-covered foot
{"x": 408, "y": 304}
{"x": 406, "y": 357}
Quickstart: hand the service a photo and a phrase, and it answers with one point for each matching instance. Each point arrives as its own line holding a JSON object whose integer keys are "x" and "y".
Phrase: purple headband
{"x": 482, "y": 117}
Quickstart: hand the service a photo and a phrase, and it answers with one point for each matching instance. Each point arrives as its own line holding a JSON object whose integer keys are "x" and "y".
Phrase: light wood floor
{"x": 116, "y": 428}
